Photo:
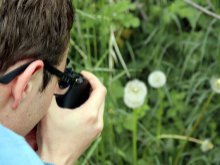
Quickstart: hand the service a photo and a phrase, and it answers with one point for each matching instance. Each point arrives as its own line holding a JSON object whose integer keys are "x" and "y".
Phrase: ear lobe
{"x": 23, "y": 83}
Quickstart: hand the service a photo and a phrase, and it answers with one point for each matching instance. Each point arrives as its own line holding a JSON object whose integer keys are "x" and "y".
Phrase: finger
{"x": 101, "y": 111}
{"x": 95, "y": 101}
{"x": 98, "y": 93}
{"x": 93, "y": 80}
{"x": 101, "y": 118}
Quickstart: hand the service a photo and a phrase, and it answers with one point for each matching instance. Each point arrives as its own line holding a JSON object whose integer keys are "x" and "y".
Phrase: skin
{"x": 60, "y": 136}
{"x": 78, "y": 127}
{"x": 19, "y": 99}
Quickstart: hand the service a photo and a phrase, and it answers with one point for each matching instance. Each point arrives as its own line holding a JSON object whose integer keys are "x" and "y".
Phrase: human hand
{"x": 63, "y": 134}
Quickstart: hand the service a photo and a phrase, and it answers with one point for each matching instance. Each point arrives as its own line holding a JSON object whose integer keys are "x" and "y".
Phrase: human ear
{"x": 23, "y": 83}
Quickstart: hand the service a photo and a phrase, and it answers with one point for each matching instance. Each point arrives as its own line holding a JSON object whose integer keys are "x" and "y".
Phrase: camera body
{"x": 76, "y": 94}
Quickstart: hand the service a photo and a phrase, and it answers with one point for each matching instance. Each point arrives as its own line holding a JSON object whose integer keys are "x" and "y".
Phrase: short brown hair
{"x": 35, "y": 29}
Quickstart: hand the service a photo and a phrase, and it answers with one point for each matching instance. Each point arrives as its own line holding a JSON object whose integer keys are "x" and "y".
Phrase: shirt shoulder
{"x": 15, "y": 150}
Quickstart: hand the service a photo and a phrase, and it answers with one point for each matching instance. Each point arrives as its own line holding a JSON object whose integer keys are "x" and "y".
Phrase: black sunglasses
{"x": 78, "y": 88}
{"x": 65, "y": 78}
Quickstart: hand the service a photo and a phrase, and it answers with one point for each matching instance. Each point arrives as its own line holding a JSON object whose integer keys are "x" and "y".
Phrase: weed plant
{"x": 122, "y": 40}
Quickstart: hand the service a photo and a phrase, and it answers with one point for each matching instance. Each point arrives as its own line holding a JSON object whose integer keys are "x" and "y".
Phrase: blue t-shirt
{"x": 14, "y": 150}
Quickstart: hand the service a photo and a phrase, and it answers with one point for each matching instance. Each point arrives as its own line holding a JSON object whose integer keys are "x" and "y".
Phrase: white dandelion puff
{"x": 206, "y": 145}
{"x": 157, "y": 79}
{"x": 215, "y": 84}
{"x": 135, "y": 92}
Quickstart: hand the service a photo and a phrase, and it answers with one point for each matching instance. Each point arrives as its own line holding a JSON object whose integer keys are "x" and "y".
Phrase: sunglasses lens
{"x": 63, "y": 84}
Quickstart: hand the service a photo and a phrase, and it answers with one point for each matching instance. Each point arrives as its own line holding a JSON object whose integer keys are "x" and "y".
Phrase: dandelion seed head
{"x": 157, "y": 79}
{"x": 206, "y": 145}
{"x": 215, "y": 84}
{"x": 135, "y": 92}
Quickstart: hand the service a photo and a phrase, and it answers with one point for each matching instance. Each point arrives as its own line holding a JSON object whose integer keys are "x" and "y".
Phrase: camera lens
{"x": 79, "y": 80}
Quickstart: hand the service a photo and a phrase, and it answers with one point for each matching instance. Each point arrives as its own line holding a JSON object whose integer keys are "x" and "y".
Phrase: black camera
{"x": 77, "y": 92}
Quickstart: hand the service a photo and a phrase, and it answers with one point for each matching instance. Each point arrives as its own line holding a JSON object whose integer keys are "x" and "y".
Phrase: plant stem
{"x": 195, "y": 125}
{"x": 159, "y": 126}
{"x": 103, "y": 152}
{"x": 179, "y": 137}
{"x": 159, "y": 116}
{"x": 134, "y": 137}
{"x": 91, "y": 151}
{"x": 204, "y": 10}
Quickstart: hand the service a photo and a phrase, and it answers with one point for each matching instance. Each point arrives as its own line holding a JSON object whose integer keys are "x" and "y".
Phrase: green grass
{"x": 114, "y": 40}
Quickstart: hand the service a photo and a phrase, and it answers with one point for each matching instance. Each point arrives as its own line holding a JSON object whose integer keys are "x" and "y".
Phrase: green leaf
{"x": 142, "y": 111}
{"x": 183, "y": 10}
{"x": 116, "y": 89}
{"x": 141, "y": 162}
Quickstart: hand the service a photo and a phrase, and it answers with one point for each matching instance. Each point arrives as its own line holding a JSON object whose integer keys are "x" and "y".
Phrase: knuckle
{"x": 92, "y": 118}
{"x": 99, "y": 128}
{"x": 103, "y": 90}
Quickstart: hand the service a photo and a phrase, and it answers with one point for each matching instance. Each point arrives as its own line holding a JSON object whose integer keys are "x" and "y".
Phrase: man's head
{"x": 31, "y": 30}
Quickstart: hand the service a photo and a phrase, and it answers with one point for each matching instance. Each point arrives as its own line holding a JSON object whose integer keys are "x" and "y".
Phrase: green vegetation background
{"x": 120, "y": 40}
